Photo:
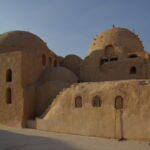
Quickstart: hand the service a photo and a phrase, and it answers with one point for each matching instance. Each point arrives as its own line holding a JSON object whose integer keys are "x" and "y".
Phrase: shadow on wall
{"x": 13, "y": 141}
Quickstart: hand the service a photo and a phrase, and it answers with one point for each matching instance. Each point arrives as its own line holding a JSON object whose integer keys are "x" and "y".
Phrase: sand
{"x": 30, "y": 139}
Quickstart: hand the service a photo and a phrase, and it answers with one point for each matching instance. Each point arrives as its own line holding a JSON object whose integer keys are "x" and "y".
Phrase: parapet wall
{"x": 73, "y": 110}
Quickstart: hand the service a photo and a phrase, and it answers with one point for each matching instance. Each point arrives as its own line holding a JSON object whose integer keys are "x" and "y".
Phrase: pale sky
{"x": 68, "y": 26}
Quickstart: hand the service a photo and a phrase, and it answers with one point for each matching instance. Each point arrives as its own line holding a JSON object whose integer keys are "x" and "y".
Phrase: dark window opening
{"x": 78, "y": 101}
{"x": 50, "y": 61}
{"x": 114, "y": 59}
{"x": 9, "y": 75}
{"x": 8, "y": 96}
{"x": 133, "y": 70}
{"x": 133, "y": 56}
{"x": 118, "y": 102}
{"x": 55, "y": 62}
{"x": 43, "y": 60}
{"x": 78, "y": 81}
{"x": 96, "y": 102}
{"x": 103, "y": 61}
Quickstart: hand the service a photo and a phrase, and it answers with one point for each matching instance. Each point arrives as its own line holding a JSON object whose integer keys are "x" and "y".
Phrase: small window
{"x": 8, "y": 96}
{"x": 9, "y": 75}
{"x": 132, "y": 56}
{"x": 55, "y": 63}
{"x": 118, "y": 102}
{"x": 96, "y": 102}
{"x": 78, "y": 101}
{"x": 78, "y": 81}
{"x": 50, "y": 61}
{"x": 103, "y": 61}
{"x": 43, "y": 60}
{"x": 113, "y": 59}
{"x": 133, "y": 70}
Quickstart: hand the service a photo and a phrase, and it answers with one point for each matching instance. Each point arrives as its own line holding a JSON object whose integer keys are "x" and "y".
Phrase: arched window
{"x": 96, "y": 101}
{"x": 55, "y": 63}
{"x": 9, "y": 75}
{"x": 109, "y": 50}
{"x": 118, "y": 102}
{"x": 50, "y": 61}
{"x": 78, "y": 101}
{"x": 132, "y": 56}
{"x": 8, "y": 96}
{"x": 133, "y": 70}
{"x": 43, "y": 60}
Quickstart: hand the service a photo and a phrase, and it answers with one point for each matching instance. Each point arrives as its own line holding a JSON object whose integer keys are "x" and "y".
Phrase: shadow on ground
{"x": 15, "y": 141}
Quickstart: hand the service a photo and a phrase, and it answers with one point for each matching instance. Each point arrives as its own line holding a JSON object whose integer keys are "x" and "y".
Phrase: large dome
{"x": 21, "y": 40}
{"x": 118, "y": 39}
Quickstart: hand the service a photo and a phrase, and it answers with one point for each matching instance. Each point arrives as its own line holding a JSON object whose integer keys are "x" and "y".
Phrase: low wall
{"x": 130, "y": 122}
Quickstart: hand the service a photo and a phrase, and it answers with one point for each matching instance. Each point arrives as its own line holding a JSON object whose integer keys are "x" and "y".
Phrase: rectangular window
{"x": 103, "y": 61}
{"x": 114, "y": 59}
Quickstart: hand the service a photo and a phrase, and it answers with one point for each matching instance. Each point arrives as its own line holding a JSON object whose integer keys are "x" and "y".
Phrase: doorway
{"x": 119, "y": 133}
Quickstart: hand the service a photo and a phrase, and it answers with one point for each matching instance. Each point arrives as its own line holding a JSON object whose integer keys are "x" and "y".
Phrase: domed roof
{"x": 72, "y": 62}
{"x": 60, "y": 74}
{"x": 21, "y": 40}
{"x": 121, "y": 39}
{"x": 73, "y": 57}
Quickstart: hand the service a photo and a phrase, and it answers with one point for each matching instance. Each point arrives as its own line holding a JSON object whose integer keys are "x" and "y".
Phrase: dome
{"x": 72, "y": 57}
{"x": 60, "y": 74}
{"x": 72, "y": 62}
{"x": 20, "y": 40}
{"x": 116, "y": 39}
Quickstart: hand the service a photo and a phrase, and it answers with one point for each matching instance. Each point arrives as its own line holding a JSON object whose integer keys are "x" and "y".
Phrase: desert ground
{"x": 30, "y": 139}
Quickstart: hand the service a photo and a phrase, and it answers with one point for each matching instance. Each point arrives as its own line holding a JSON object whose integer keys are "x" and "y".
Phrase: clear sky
{"x": 68, "y": 26}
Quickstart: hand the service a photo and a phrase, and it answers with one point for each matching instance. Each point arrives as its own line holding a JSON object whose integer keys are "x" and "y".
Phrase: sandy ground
{"x": 30, "y": 139}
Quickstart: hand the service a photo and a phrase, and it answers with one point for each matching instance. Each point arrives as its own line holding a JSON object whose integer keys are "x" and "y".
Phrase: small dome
{"x": 21, "y": 40}
{"x": 116, "y": 39}
{"x": 60, "y": 74}
{"x": 72, "y": 62}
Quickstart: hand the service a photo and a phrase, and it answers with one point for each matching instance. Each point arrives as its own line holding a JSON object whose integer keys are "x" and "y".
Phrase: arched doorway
{"x": 133, "y": 70}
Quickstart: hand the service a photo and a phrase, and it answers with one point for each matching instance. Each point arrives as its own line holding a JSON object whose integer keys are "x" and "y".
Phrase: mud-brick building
{"x": 106, "y": 94}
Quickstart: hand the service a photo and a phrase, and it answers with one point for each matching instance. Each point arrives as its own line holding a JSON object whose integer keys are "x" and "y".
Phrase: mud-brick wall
{"x": 33, "y": 65}
{"x": 92, "y": 69}
{"x": 11, "y": 113}
{"x": 130, "y": 121}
